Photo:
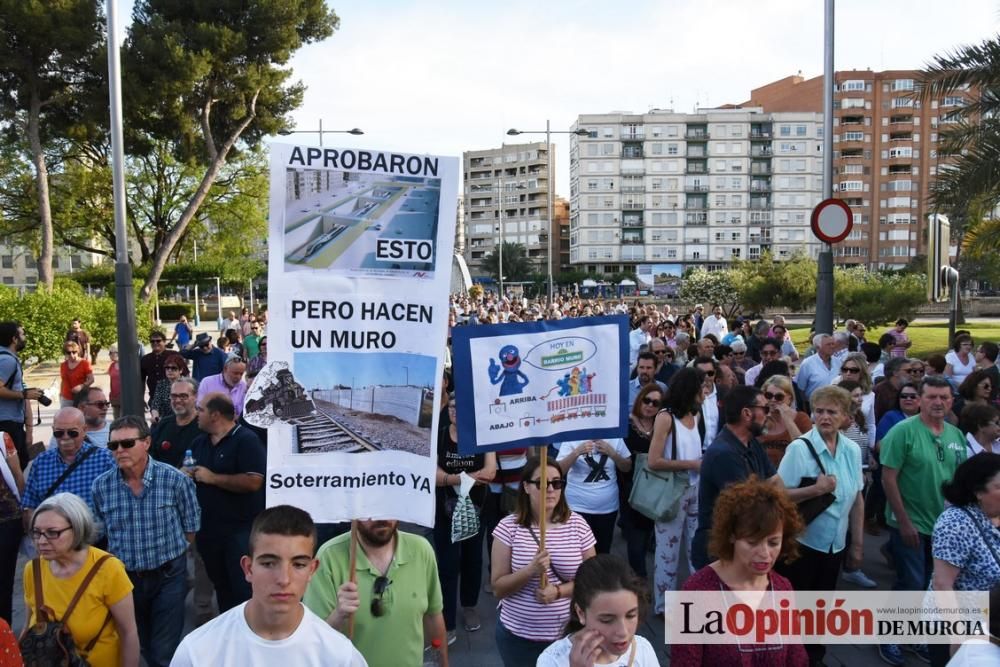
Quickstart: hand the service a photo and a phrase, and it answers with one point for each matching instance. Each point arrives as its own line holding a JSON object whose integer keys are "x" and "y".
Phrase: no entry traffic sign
{"x": 832, "y": 221}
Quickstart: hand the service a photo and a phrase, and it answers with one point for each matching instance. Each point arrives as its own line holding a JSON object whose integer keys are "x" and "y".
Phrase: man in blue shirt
{"x": 88, "y": 462}
{"x": 820, "y": 369}
{"x": 183, "y": 331}
{"x": 151, "y": 514}
{"x": 13, "y": 395}
{"x": 206, "y": 358}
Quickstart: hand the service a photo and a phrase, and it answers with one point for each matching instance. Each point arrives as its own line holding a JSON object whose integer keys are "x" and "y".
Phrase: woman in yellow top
{"x": 62, "y": 528}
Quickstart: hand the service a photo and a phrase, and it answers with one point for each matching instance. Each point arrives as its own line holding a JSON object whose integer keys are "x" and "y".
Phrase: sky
{"x": 325, "y": 369}
{"x": 447, "y": 76}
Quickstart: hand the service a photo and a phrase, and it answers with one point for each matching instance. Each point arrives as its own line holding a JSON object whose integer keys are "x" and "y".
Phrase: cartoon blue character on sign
{"x": 508, "y": 373}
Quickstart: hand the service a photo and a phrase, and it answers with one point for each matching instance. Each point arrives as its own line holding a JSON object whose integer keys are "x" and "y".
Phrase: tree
{"x": 876, "y": 298}
{"x": 516, "y": 265}
{"x": 712, "y": 287}
{"x": 48, "y": 57}
{"x": 209, "y": 77}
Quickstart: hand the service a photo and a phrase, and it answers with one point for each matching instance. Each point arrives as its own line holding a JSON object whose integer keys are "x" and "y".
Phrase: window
{"x": 854, "y": 136}
{"x": 8, "y": 261}
{"x": 851, "y": 186}
{"x": 902, "y": 103}
{"x": 800, "y": 130}
{"x": 953, "y": 101}
{"x": 671, "y": 149}
{"x": 853, "y": 85}
{"x": 852, "y": 103}
{"x": 785, "y": 130}
{"x": 902, "y": 84}
{"x": 76, "y": 262}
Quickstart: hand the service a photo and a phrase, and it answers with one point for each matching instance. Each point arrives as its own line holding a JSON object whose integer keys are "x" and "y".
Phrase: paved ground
{"x": 478, "y": 649}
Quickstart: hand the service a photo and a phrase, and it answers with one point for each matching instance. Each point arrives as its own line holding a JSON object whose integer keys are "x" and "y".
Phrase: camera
{"x": 44, "y": 400}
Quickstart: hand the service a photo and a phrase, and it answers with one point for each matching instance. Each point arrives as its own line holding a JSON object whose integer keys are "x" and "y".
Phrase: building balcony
{"x": 691, "y": 187}
{"x": 760, "y": 205}
{"x": 696, "y": 219}
{"x": 696, "y": 169}
{"x": 760, "y": 169}
{"x": 760, "y": 186}
{"x": 632, "y": 240}
{"x": 633, "y": 205}
{"x": 697, "y": 205}
{"x": 697, "y": 135}
{"x": 627, "y": 224}
{"x": 633, "y": 188}
{"x": 760, "y": 151}
{"x": 757, "y": 135}
{"x": 633, "y": 170}
{"x": 633, "y": 136}
{"x": 760, "y": 218}
{"x": 632, "y": 154}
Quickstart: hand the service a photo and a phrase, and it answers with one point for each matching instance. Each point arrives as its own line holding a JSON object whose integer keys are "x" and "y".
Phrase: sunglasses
{"x": 659, "y": 352}
{"x": 70, "y": 353}
{"x": 650, "y": 401}
{"x": 61, "y": 433}
{"x": 378, "y": 607}
{"x": 100, "y": 404}
{"x": 557, "y": 484}
{"x": 916, "y": 371}
{"x": 710, "y": 374}
{"x": 849, "y": 369}
{"x": 171, "y": 368}
{"x": 774, "y": 397}
{"x": 765, "y": 408}
{"x": 179, "y": 397}
{"x": 909, "y": 397}
{"x": 125, "y": 443}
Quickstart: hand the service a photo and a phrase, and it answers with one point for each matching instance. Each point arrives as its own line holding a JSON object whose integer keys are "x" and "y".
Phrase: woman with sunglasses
{"x": 102, "y": 623}
{"x": 637, "y": 527}
{"x": 609, "y": 601}
{"x": 981, "y": 425}
{"x": 676, "y": 446}
{"x": 976, "y": 389}
{"x": 533, "y": 615}
{"x": 784, "y": 423}
{"x": 174, "y": 367}
{"x": 855, "y": 367}
{"x": 75, "y": 374}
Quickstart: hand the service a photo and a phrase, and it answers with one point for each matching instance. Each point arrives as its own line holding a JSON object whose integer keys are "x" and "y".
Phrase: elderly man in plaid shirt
{"x": 151, "y": 514}
{"x": 71, "y": 466}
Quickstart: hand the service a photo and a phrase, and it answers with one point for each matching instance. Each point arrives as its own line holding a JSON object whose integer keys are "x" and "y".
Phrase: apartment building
{"x": 508, "y": 186}
{"x": 19, "y": 267}
{"x": 885, "y": 156}
{"x": 692, "y": 190}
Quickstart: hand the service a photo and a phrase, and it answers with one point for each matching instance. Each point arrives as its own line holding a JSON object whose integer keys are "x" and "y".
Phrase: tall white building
{"x": 692, "y": 189}
{"x": 520, "y": 173}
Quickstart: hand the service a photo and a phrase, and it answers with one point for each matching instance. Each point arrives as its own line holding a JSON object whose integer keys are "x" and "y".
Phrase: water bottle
{"x": 432, "y": 654}
{"x": 188, "y": 460}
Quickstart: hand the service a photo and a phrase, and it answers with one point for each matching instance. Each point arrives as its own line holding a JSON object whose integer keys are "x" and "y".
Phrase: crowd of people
{"x": 790, "y": 459}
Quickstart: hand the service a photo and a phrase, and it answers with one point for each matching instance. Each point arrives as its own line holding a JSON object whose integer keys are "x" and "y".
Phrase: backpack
{"x": 48, "y": 643}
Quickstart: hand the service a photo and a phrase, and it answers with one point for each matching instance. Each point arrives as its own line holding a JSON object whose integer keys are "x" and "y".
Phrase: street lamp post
{"x": 355, "y": 131}
{"x": 548, "y": 149}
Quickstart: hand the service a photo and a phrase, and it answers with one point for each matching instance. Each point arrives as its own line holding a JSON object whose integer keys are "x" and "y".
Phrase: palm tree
{"x": 516, "y": 265}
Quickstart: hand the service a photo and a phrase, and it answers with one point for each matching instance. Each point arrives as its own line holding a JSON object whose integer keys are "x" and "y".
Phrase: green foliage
{"x": 876, "y": 298}
{"x": 232, "y": 273}
{"x": 712, "y": 287}
{"x": 570, "y": 277}
{"x": 173, "y": 311}
{"x": 516, "y": 265}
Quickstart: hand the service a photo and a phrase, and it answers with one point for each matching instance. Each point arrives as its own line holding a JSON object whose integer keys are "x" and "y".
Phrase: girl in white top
{"x": 676, "y": 446}
{"x": 607, "y": 605}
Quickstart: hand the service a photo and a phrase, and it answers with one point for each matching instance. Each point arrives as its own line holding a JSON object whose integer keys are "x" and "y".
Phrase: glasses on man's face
{"x": 710, "y": 374}
{"x": 850, "y": 369}
{"x": 765, "y": 408}
{"x": 61, "y": 433}
{"x": 659, "y": 352}
{"x": 557, "y": 484}
{"x": 179, "y": 397}
{"x": 49, "y": 534}
{"x": 769, "y": 354}
{"x": 916, "y": 371}
{"x": 103, "y": 405}
{"x": 776, "y": 396}
{"x": 156, "y": 341}
{"x": 378, "y": 607}
{"x": 124, "y": 443}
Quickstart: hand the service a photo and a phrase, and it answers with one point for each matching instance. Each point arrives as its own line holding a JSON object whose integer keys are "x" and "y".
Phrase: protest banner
{"x": 535, "y": 383}
{"x": 359, "y": 267}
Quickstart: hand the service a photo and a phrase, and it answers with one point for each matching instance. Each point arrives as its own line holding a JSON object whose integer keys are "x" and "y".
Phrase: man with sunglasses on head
{"x": 396, "y": 601}
{"x": 71, "y": 466}
{"x": 273, "y": 627}
{"x": 151, "y": 515}
{"x": 734, "y": 455}
{"x": 918, "y": 455}
{"x": 94, "y": 404}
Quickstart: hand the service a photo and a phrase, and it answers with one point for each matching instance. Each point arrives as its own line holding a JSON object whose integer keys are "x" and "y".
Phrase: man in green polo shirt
{"x": 918, "y": 454}
{"x": 396, "y": 601}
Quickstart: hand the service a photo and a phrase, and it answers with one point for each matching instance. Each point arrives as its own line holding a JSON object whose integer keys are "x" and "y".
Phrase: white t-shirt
{"x": 592, "y": 490}
{"x": 228, "y": 641}
{"x": 974, "y": 654}
{"x": 960, "y": 371}
{"x": 557, "y": 655}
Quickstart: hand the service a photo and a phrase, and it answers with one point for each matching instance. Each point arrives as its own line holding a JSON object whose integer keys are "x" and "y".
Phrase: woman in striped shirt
{"x": 532, "y": 615}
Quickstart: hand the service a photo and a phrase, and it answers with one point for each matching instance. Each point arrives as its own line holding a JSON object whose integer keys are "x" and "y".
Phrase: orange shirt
{"x": 72, "y": 377}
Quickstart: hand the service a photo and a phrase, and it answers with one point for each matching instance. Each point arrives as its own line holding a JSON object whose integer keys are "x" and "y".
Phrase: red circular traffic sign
{"x": 832, "y": 220}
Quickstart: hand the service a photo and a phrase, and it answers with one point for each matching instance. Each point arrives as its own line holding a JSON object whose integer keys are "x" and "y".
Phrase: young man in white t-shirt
{"x": 273, "y": 627}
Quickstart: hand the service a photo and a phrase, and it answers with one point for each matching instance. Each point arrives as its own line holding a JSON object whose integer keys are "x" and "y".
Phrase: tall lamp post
{"x": 548, "y": 146}
{"x": 355, "y": 131}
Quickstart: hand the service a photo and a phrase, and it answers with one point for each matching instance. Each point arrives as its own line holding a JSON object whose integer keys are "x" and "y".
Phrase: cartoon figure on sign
{"x": 508, "y": 373}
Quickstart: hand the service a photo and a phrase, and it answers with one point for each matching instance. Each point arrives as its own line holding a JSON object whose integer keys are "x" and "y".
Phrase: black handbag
{"x": 813, "y": 507}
